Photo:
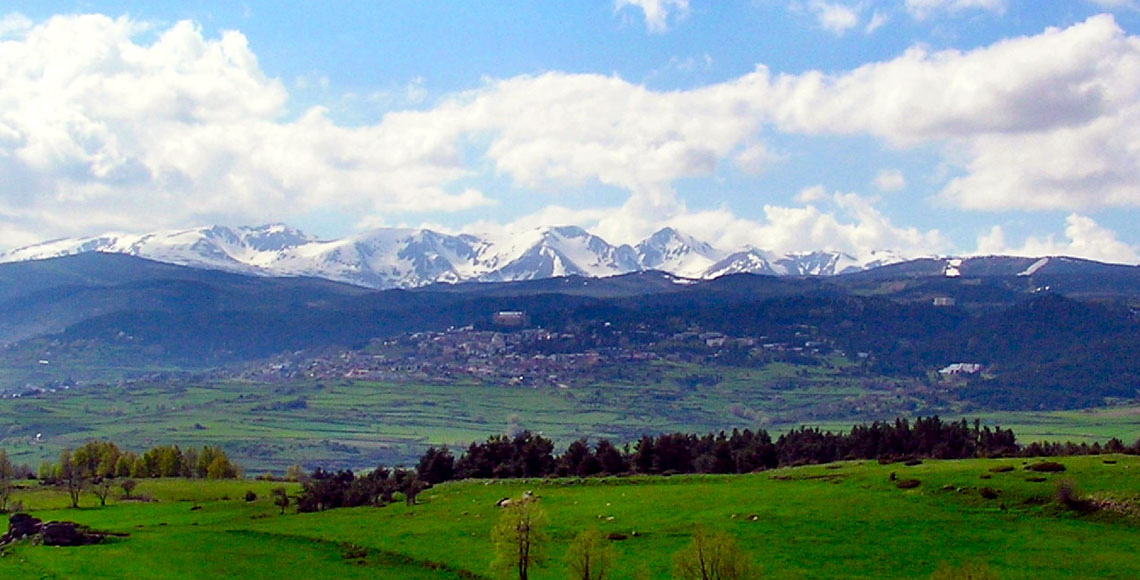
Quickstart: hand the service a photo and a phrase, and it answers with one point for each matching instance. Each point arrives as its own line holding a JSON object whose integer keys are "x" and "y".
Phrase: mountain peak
{"x": 406, "y": 257}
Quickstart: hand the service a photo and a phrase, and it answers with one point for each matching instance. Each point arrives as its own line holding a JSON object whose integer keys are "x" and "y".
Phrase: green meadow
{"x": 847, "y": 520}
{"x": 342, "y": 423}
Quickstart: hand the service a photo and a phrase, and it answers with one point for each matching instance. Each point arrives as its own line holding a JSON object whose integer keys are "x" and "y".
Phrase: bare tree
{"x": 518, "y": 538}
{"x": 72, "y": 476}
{"x": 101, "y": 487}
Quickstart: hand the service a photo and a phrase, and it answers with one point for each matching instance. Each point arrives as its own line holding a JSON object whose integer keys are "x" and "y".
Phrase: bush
{"x": 912, "y": 462}
{"x": 1069, "y": 495}
{"x": 1046, "y": 467}
{"x": 908, "y": 483}
{"x": 250, "y": 496}
{"x": 964, "y": 572}
{"x": 1002, "y": 469}
{"x": 988, "y": 493}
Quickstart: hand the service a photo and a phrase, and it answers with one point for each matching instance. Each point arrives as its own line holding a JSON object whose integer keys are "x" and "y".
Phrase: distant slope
{"x": 1040, "y": 348}
{"x": 410, "y": 258}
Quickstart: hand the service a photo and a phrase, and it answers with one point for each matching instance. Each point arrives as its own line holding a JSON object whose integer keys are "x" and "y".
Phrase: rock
{"x": 21, "y": 526}
{"x": 24, "y": 526}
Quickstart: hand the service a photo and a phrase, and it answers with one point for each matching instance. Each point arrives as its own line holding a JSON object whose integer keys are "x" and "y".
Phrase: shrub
{"x": 964, "y": 572}
{"x": 250, "y": 496}
{"x": 1001, "y": 469}
{"x": 1069, "y": 495}
{"x": 908, "y": 483}
{"x": 912, "y": 462}
{"x": 988, "y": 493}
{"x": 1036, "y": 479}
{"x": 1046, "y": 467}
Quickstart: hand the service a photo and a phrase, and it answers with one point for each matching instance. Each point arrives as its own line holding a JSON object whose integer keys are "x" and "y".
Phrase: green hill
{"x": 848, "y": 520}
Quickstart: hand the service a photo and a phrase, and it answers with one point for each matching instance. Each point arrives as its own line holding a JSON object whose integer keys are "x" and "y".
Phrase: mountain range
{"x": 410, "y": 258}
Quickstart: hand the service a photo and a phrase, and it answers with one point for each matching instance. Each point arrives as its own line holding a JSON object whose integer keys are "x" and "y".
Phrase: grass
{"x": 361, "y": 424}
{"x": 846, "y": 520}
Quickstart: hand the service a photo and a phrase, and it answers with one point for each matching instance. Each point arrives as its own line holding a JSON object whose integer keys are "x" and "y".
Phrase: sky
{"x": 925, "y": 127}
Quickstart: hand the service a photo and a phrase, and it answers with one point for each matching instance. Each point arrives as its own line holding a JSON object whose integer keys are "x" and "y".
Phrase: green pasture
{"x": 346, "y": 423}
{"x": 846, "y": 520}
{"x": 267, "y": 427}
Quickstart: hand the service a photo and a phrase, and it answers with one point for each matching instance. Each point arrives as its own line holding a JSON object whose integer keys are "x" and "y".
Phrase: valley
{"x": 294, "y": 370}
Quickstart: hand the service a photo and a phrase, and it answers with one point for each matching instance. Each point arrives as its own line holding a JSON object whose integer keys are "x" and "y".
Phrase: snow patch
{"x": 1034, "y": 267}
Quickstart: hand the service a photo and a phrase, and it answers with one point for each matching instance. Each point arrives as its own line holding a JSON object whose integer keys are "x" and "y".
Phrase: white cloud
{"x": 1050, "y": 121}
{"x": 1117, "y": 4}
{"x": 657, "y": 12}
{"x": 13, "y": 23}
{"x": 415, "y": 93}
{"x": 567, "y": 129}
{"x": 878, "y": 20}
{"x": 850, "y": 224}
{"x": 813, "y": 194}
{"x": 836, "y": 221}
{"x": 834, "y": 17}
{"x": 186, "y": 129}
{"x": 1083, "y": 238}
{"x": 889, "y": 180}
{"x": 756, "y": 158}
{"x": 922, "y": 9}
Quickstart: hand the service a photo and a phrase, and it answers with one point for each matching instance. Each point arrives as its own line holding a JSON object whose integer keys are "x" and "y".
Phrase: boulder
{"x": 21, "y": 526}
{"x": 66, "y": 534}
{"x": 24, "y": 526}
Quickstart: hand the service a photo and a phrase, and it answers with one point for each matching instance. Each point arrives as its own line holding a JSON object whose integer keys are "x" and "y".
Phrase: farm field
{"x": 267, "y": 427}
{"x": 846, "y": 520}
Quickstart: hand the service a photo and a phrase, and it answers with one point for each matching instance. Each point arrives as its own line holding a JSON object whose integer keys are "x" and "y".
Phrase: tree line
{"x": 100, "y": 466}
{"x": 741, "y": 451}
{"x": 530, "y": 455}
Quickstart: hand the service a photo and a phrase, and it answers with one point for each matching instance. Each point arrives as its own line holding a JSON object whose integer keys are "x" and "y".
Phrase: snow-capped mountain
{"x": 408, "y": 258}
{"x": 671, "y": 251}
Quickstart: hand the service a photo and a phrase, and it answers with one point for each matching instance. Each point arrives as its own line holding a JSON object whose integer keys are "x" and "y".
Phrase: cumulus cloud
{"x": 824, "y": 220}
{"x": 922, "y": 9}
{"x": 186, "y": 128}
{"x": 657, "y": 12}
{"x": 1042, "y": 122}
{"x": 844, "y": 222}
{"x": 1083, "y": 238}
{"x": 890, "y": 180}
{"x": 834, "y": 17}
{"x": 14, "y": 22}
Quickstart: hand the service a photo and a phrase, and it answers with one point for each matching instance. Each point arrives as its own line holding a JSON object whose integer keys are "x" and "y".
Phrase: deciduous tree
{"x": 712, "y": 557}
{"x": 518, "y": 539}
{"x": 71, "y": 476}
{"x": 280, "y": 498}
{"x": 589, "y": 556}
{"x": 7, "y": 474}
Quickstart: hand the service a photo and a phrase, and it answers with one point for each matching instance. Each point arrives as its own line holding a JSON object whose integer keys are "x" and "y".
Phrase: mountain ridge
{"x": 411, "y": 258}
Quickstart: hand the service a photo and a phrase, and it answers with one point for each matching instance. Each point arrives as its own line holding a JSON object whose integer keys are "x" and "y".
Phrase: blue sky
{"x": 919, "y": 126}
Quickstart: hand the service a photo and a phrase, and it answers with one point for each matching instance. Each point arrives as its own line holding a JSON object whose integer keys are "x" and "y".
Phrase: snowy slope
{"x": 409, "y": 258}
